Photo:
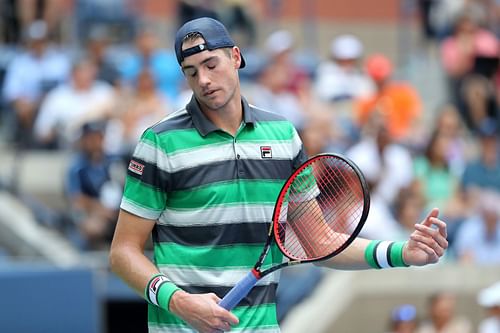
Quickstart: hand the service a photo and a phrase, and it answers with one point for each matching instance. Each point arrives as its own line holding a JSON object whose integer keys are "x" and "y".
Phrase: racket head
{"x": 320, "y": 209}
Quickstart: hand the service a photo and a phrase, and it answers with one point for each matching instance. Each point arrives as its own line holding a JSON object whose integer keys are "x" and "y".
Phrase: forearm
{"x": 352, "y": 258}
{"x": 133, "y": 267}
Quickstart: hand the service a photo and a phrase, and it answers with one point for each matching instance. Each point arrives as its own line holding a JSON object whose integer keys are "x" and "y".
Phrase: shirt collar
{"x": 205, "y": 126}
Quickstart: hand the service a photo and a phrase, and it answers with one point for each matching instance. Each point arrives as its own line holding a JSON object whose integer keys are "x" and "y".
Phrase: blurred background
{"x": 408, "y": 89}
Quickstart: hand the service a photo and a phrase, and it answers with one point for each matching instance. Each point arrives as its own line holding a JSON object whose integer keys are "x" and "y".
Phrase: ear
{"x": 236, "y": 56}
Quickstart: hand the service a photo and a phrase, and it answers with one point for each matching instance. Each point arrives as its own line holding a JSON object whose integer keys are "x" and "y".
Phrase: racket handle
{"x": 239, "y": 291}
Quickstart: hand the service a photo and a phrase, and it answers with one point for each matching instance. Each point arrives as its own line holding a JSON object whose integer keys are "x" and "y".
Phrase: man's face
{"x": 212, "y": 75}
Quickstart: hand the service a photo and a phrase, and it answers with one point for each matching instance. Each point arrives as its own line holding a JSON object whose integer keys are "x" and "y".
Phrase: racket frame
{"x": 276, "y": 215}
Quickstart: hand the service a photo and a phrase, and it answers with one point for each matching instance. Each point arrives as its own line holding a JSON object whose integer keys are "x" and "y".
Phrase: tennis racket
{"x": 319, "y": 211}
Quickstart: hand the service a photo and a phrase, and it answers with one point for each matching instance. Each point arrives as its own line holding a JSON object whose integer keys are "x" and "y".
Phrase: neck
{"x": 228, "y": 118}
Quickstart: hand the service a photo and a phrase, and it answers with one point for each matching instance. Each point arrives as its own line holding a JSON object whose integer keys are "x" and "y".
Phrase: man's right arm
{"x": 128, "y": 261}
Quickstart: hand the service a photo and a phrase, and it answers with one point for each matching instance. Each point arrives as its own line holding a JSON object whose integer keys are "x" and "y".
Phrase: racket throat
{"x": 256, "y": 273}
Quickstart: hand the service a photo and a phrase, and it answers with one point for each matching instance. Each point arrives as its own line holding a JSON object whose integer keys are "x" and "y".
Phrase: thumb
{"x": 433, "y": 213}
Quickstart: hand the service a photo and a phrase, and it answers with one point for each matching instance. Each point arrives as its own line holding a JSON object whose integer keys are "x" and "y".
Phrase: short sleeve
{"x": 145, "y": 191}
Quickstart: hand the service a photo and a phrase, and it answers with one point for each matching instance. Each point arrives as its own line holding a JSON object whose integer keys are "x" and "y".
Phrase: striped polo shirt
{"x": 212, "y": 195}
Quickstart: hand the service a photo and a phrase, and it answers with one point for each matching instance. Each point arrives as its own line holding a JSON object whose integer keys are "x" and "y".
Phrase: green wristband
{"x": 159, "y": 290}
{"x": 385, "y": 254}
{"x": 166, "y": 290}
{"x": 396, "y": 255}
{"x": 370, "y": 254}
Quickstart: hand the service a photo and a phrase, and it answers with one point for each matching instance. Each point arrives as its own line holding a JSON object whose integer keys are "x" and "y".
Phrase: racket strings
{"x": 325, "y": 203}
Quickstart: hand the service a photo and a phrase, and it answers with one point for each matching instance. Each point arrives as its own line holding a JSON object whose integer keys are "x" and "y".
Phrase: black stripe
{"x": 152, "y": 175}
{"x": 375, "y": 255}
{"x": 227, "y": 234}
{"x": 389, "y": 261}
{"x": 299, "y": 159}
{"x": 229, "y": 170}
{"x": 211, "y": 173}
{"x": 257, "y": 296}
{"x": 181, "y": 121}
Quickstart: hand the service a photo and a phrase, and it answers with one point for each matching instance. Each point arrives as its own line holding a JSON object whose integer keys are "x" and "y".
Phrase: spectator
{"x": 403, "y": 319}
{"x": 94, "y": 182}
{"x": 30, "y": 76}
{"x": 97, "y": 48}
{"x": 449, "y": 124}
{"x": 439, "y": 186}
{"x": 489, "y": 299}
{"x": 135, "y": 111}
{"x": 460, "y": 51}
{"x": 71, "y": 104}
{"x": 478, "y": 238}
{"x": 279, "y": 47}
{"x": 386, "y": 165}
{"x": 407, "y": 207}
{"x": 271, "y": 93}
{"x": 483, "y": 172}
{"x": 341, "y": 77}
{"x": 443, "y": 317}
{"x": 18, "y": 15}
{"x": 398, "y": 102}
{"x": 161, "y": 63}
{"x": 239, "y": 19}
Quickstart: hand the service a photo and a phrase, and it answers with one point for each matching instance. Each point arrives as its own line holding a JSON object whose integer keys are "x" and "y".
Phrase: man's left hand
{"x": 427, "y": 243}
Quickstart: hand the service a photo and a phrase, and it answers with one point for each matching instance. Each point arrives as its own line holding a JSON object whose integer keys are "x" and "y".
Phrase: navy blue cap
{"x": 213, "y": 32}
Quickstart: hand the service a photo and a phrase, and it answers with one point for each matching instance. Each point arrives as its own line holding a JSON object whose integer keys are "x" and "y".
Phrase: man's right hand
{"x": 202, "y": 312}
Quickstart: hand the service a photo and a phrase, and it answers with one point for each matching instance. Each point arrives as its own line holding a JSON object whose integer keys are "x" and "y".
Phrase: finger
{"x": 428, "y": 220}
{"x": 441, "y": 225}
{"x": 439, "y": 251}
{"x": 227, "y": 316}
{"x": 432, "y": 233}
{"x": 224, "y": 326}
{"x": 214, "y": 297}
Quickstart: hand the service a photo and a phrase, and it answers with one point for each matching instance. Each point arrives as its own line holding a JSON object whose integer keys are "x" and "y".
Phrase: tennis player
{"x": 203, "y": 182}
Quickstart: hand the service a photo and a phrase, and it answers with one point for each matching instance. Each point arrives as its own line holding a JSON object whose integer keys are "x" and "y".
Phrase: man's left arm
{"x": 426, "y": 245}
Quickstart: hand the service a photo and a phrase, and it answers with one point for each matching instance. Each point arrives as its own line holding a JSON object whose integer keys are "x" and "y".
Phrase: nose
{"x": 203, "y": 78}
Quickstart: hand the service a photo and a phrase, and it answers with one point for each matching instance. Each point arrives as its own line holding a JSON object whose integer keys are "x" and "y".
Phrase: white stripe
{"x": 218, "y": 215}
{"x": 177, "y": 329}
{"x": 183, "y": 276}
{"x": 210, "y": 154}
{"x": 382, "y": 254}
{"x": 139, "y": 211}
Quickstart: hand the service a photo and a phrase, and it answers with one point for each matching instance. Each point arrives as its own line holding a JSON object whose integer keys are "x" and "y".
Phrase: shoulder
{"x": 177, "y": 120}
{"x": 261, "y": 114}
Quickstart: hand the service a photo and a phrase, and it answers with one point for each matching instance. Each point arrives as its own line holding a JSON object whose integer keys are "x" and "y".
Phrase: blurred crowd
{"x": 443, "y": 317}
{"x": 94, "y": 93}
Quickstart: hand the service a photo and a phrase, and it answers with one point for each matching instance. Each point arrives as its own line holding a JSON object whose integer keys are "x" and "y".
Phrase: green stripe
{"x": 250, "y": 317}
{"x": 174, "y": 141}
{"x": 370, "y": 254}
{"x": 226, "y": 193}
{"x": 185, "y": 139}
{"x": 222, "y": 257}
{"x": 397, "y": 255}
{"x": 144, "y": 195}
{"x": 269, "y": 131}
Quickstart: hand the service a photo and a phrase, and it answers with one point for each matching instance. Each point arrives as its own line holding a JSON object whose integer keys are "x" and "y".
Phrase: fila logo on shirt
{"x": 136, "y": 167}
{"x": 266, "y": 152}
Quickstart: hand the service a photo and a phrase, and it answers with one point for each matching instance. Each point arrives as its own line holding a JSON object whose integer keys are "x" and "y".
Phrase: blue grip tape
{"x": 239, "y": 291}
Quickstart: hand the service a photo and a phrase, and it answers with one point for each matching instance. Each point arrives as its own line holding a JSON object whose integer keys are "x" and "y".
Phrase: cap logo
{"x": 193, "y": 50}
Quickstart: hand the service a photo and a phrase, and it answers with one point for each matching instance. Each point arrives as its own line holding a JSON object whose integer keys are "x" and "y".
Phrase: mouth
{"x": 210, "y": 92}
